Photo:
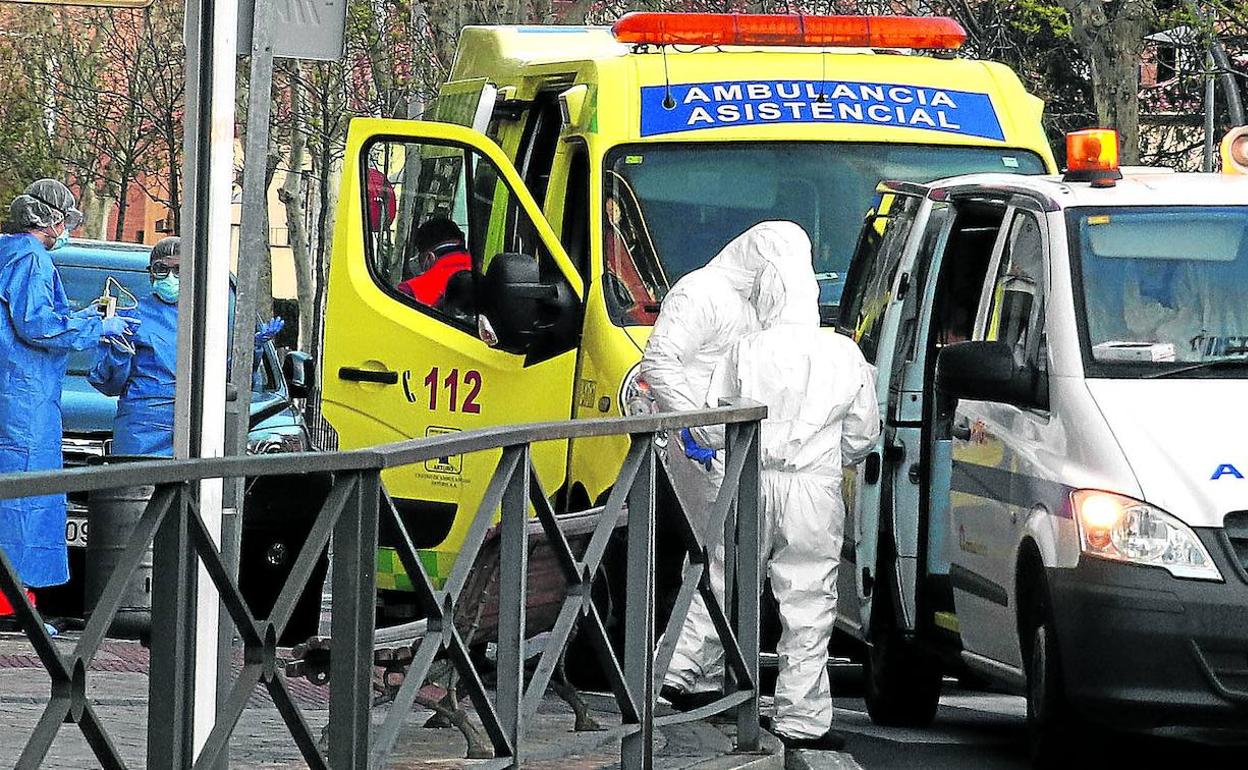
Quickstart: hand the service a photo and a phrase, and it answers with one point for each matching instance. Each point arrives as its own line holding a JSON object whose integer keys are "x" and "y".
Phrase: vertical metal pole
{"x": 199, "y": 412}
{"x": 749, "y": 584}
{"x": 1210, "y": 97}
{"x": 253, "y": 245}
{"x": 355, "y": 585}
{"x": 513, "y": 574}
{"x": 637, "y": 749}
{"x": 171, "y": 680}
{"x": 728, "y": 562}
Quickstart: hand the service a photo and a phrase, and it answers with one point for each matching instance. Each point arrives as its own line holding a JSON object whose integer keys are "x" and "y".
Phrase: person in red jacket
{"x": 442, "y": 254}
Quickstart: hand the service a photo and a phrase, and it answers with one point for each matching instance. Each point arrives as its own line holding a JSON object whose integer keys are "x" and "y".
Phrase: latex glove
{"x": 695, "y": 451}
{"x": 119, "y": 326}
{"x": 267, "y": 331}
{"x": 90, "y": 311}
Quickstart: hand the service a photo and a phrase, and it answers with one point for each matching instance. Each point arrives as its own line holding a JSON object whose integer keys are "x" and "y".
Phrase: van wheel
{"x": 903, "y": 682}
{"x": 1053, "y": 729}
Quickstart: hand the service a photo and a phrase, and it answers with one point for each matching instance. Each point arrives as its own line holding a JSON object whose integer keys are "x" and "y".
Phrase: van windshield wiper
{"x": 1217, "y": 363}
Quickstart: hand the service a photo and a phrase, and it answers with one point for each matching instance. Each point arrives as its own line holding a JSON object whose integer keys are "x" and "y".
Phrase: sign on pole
{"x": 101, "y": 3}
{"x": 303, "y": 29}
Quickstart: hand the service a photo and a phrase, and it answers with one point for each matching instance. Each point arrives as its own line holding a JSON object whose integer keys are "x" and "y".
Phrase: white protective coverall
{"x": 822, "y": 414}
{"x": 702, "y": 316}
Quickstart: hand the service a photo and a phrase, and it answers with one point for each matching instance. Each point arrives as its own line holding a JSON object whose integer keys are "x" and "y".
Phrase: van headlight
{"x": 637, "y": 400}
{"x": 1122, "y": 529}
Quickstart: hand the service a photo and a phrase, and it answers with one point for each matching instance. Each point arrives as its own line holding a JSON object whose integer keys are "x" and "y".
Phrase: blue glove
{"x": 119, "y": 326}
{"x": 695, "y": 451}
{"x": 90, "y": 311}
{"x": 267, "y": 331}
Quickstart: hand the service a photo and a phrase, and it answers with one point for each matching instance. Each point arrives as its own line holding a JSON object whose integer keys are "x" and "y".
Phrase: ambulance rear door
{"x": 397, "y": 369}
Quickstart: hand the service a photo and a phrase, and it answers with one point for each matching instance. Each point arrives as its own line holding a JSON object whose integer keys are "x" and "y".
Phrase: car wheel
{"x": 1053, "y": 729}
{"x": 902, "y": 682}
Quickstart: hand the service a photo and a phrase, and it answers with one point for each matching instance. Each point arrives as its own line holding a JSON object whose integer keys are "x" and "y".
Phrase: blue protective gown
{"x": 37, "y": 333}
{"x": 144, "y": 381}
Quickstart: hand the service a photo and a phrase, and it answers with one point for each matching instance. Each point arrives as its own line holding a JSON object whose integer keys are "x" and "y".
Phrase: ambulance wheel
{"x": 1053, "y": 729}
{"x": 902, "y": 682}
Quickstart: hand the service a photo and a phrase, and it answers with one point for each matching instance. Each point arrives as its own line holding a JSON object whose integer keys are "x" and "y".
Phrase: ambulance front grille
{"x": 1236, "y": 527}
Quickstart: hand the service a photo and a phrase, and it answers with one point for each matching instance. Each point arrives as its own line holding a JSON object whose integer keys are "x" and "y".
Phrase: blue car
{"x": 275, "y": 524}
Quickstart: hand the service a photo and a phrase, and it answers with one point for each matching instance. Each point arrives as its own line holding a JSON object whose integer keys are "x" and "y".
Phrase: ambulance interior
{"x": 673, "y": 206}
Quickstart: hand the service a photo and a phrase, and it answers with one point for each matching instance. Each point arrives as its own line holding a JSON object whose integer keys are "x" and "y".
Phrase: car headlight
{"x": 277, "y": 441}
{"x": 1122, "y": 529}
{"x": 636, "y": 399}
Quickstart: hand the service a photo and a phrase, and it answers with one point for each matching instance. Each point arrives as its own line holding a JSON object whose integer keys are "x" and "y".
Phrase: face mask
{"x": 60, "y": 241}
{"x": 166, "y": 288}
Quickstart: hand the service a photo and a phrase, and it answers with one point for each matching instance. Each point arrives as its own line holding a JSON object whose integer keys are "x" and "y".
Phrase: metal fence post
{"x": 351, "y": 660}
{"x": 749, "y": 581}
{"x": 637, "y": 749}
{"x": 513, "y": 575}
{"x": 730, "y": 553}
{"x": 172, "y": 669}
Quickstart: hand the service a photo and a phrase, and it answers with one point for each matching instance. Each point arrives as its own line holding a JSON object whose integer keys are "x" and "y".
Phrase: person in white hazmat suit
{"x": 702, "y": 316}
{"x": 822, "y": 415}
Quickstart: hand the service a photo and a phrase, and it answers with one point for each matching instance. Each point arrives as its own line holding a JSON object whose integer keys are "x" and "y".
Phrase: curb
{"x": 806, "y": 759}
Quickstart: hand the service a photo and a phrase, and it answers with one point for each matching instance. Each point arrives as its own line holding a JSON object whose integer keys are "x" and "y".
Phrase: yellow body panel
{"x": 524, "y": 62}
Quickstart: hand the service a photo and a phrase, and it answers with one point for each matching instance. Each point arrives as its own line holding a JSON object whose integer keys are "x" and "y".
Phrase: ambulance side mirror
{"x": 987, "y": 371}
{"x": 530, "y": 314}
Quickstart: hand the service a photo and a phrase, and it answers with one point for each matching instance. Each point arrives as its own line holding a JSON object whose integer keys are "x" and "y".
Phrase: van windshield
{"x": 669, "y": 208}
{"x": 1163, "y": 288}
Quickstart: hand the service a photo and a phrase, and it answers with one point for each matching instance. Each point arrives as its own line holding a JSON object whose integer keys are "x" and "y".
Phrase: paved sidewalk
{"x": 118, "y": 684}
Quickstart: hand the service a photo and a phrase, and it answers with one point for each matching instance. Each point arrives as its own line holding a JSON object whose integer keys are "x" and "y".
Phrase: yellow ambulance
{"x": 588, "y": 169}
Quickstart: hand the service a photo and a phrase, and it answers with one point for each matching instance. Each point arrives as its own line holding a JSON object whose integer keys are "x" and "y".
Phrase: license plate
{"x": 76, "y": 532}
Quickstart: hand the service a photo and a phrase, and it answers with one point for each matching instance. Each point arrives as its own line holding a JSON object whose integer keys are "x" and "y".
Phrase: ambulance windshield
{"x": 669, "y": 208}
{"x": 1163, "y": 288}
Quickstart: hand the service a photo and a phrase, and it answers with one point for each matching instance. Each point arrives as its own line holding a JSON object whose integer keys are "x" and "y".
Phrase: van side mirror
{"x": 987, "y": 371}
{"x": 300, "y": 373}
{"x": 530, "y": 314}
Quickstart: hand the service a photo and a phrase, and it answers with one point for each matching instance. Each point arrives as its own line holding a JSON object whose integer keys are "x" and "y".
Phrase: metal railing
{"x": 172, "y": 524}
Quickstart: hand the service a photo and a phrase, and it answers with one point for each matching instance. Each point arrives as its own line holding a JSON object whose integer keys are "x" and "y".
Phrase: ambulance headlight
{"x": 636, "y": 399}
{"x": 635, "y": 396}
{"x": 1119, "y": 528}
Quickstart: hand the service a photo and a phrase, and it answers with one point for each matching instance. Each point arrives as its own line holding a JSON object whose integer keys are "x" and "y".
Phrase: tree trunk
{"x": 99, "y": 229}
{"x": 329, "y": 205}
{"x": 175, "y": 182}
{"x": 291, "y": 196}
{"x": 1111, "y": 39}
{"x": 123, "y": 186}
{"x": 264, "y": 288}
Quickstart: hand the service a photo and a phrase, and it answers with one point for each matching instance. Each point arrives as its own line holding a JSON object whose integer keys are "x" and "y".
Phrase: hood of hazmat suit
{"x": 822, "y": 412}
{"x": 37, "y": 332}
{"x": 704, "y": 314}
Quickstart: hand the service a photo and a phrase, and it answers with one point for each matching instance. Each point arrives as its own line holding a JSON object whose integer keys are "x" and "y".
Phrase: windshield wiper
{"x": 1217, "y": 363}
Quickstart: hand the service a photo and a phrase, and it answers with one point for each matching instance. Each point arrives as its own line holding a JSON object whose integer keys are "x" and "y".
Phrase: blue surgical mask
{"x": 61, "y": 240}
{"x": 166, "y": 288}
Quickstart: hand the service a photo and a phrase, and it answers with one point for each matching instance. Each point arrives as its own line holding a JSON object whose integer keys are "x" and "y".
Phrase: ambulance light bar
{"x": 1092, "y": 156}
{"x": 792, "y": 29}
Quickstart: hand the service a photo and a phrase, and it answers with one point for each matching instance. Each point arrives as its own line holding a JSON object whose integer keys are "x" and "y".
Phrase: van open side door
{"x": 875, "y": 290}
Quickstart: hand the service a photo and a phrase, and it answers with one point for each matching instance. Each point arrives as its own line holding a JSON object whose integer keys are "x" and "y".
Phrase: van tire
{"x": 902, "y": 682}
{"x": 1053, "y": 729}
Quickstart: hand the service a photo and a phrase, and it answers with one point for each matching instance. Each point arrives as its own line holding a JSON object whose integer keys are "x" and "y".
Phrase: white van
{"x": 1059, "y": 501}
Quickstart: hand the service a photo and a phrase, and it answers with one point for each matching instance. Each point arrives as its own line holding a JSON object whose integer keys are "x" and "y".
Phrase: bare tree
{"x": 1111, "y": 37}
